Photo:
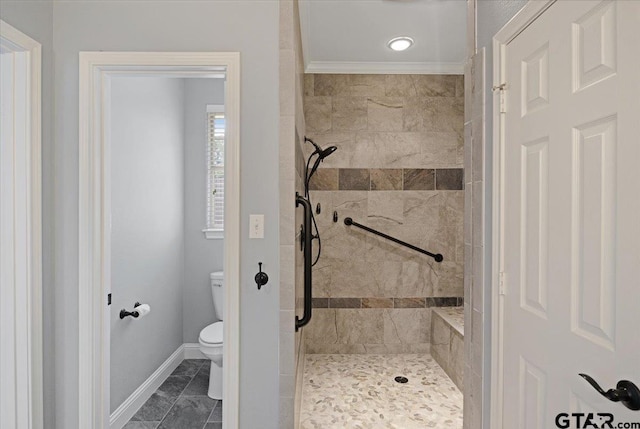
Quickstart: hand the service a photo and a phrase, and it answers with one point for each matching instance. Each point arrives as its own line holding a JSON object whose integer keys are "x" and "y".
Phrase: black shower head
{"x": 326, "y": 152}
{"x": 322, "y": 154}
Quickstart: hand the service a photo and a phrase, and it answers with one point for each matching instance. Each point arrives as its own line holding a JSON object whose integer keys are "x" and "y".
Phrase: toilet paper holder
{"x": 124, "y": 313}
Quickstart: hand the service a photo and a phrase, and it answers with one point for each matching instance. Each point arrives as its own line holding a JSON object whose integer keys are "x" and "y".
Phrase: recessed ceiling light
{"x": 400, "y": 43}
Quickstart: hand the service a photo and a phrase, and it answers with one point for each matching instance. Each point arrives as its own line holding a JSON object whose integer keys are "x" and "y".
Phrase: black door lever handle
{"x": 625, "y": 392}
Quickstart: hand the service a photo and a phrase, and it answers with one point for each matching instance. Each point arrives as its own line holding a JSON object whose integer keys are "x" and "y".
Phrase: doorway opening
{"x": 134, "y": 169}
{"x": 385, "y": 345}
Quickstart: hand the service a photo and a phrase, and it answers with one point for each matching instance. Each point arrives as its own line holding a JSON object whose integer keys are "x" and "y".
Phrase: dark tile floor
{"x": 181, "y": 402}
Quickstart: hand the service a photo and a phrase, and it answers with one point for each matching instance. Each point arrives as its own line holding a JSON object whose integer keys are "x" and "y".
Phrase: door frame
{"x": 527, "y": 15}
{"x": 26, "y": 257}
{"x": 95, "y": 223}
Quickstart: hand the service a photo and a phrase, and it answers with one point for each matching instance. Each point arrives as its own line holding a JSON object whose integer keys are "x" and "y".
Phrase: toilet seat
{"x": 212, "y": 334}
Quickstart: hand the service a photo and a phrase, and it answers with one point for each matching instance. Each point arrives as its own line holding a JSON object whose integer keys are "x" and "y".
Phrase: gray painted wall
{"x": 201, "y": 256}
{"x": 491, "y": 16}
{"x": 250, "y": 27}
{"x": 35, "y": 19}
{"x": 147, "y": 217}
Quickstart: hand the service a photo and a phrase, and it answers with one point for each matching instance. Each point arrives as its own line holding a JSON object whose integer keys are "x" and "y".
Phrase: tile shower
{"x": 398, "y": 169}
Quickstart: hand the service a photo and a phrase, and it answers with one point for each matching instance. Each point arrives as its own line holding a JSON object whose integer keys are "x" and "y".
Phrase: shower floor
{"x": 359, "y": 391}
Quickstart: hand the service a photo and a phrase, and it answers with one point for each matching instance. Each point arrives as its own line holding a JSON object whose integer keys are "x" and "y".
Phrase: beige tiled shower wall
{"x": 292, "y": 127}
{"x": 475, "y": 186}
{"x": 300, "y": 348}
{"x": 398, "y": 169}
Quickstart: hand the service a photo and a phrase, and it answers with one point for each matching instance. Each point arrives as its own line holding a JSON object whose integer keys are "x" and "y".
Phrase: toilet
{"x": 211, "y": 337}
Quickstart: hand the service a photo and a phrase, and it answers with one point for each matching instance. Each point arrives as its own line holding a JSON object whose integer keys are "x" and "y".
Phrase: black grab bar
{"x": 307, "y": 238}
{"x": 437, "y": 256}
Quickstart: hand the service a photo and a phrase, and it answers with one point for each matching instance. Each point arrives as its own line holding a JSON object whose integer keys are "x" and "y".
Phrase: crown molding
{"x": 356, "y": 67}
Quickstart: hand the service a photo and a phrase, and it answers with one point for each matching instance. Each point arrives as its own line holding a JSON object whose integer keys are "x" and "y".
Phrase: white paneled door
{"x": 571, "y": 214}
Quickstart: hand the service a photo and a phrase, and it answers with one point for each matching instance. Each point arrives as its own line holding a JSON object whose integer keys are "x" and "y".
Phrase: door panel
{"x": 593, "y": 222}
{"x": 533, "y": 226}
{"x": 571, "y": 211}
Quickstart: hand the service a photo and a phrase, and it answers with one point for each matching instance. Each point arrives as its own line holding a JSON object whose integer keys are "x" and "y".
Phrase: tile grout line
{"x": 211, "y": 413}
{"x": 180, "y": 395}
{"x": 176, "y": 400}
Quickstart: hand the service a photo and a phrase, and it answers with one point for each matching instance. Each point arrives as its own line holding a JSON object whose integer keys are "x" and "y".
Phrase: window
{"x": 215, "y": 171}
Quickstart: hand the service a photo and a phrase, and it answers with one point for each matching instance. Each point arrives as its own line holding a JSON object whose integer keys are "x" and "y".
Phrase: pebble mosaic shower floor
{"x": 358, "y": 391}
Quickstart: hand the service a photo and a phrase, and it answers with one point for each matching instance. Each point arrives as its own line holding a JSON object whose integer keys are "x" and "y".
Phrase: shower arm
{"x": 436, "y": 256}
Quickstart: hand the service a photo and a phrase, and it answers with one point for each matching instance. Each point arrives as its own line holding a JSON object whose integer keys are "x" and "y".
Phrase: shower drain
{"x": 401, "y": 379}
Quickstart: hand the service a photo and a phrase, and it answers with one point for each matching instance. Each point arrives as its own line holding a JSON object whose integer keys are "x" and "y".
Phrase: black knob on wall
{"x": 261, "y": 278}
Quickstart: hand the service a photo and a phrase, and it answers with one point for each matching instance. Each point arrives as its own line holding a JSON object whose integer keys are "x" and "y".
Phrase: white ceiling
{"x": 350, "y": 36}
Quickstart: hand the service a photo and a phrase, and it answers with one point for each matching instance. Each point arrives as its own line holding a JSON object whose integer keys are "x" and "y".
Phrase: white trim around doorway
{"x": 21, "y": 354}
{"x": 96, "y": 68}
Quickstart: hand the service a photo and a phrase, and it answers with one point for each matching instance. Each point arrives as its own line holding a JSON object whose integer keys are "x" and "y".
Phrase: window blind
{"x": 215, "y": 168}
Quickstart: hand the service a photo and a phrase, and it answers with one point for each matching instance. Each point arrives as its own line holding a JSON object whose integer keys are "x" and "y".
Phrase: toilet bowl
{"x": 211, "y": 337}
{"x": 211, "y": 346}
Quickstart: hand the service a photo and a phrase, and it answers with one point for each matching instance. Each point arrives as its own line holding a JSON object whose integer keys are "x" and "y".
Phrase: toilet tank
{"x": 217, "y": 289}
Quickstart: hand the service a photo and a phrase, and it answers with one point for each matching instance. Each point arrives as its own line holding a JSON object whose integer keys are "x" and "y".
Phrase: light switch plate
{"x": 256, "y": 226}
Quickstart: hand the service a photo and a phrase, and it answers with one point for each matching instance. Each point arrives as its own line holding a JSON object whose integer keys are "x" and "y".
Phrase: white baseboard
{"x": 132, "y": 404}
{"x": 192, "y": 351}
